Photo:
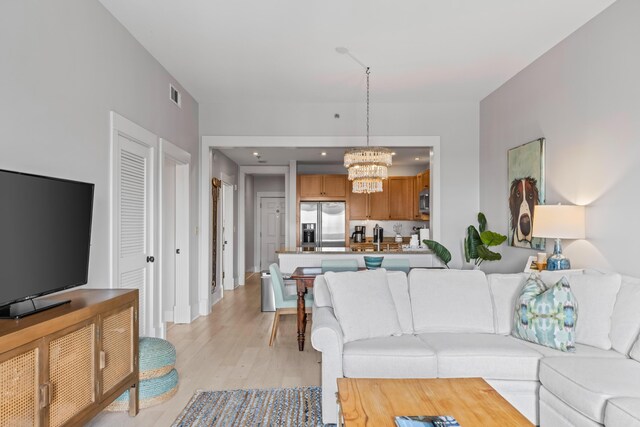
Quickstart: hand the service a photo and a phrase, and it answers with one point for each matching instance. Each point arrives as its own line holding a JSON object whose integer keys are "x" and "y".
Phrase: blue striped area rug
{"x": 290, "y": 407}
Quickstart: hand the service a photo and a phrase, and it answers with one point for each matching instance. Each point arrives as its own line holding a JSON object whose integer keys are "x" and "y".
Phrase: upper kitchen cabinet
{"x": 374, "y": 206}
{"x": 402, "y": 197}
{"x": 322, "y": 187}
{"x": 423, "y": 180}
{"x": 422, "y": 183}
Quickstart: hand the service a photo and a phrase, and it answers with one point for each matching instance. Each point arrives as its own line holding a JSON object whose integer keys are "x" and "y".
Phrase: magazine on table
{"x": 427, "y": 421}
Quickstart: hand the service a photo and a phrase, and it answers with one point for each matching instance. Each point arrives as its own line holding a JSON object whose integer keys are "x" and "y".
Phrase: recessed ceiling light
{"x": 393, "y": 153}
{"x": 417, "y": 158}
{"x": 256, "y": 154}
{"x": 324, "y": 153}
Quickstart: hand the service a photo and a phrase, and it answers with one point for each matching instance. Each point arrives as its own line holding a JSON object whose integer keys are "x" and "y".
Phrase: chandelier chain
{"x": 368, "y": 72}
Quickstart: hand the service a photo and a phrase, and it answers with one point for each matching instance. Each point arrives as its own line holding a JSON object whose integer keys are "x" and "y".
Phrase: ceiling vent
{"x": 175, "y": 95}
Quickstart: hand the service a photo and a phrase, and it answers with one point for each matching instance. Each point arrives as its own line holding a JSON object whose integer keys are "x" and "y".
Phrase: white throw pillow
{"x": 450, "y": 301}
{"x": 596, "y": 296}
{"x": 399, "y": 286}
{"x": 363, "y": 304}
{"x": 625, "y": 321}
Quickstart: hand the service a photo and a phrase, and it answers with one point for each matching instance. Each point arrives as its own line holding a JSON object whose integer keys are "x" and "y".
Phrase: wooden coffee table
{"x": 375, "y": 402}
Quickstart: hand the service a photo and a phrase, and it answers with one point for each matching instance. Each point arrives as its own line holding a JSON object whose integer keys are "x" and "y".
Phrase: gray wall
{"x": 584, "y": 97}
{"x": 65, "y": 65}
{"x": 455, "y": 123}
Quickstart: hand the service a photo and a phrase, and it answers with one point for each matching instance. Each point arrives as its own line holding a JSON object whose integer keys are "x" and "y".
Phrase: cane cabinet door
{"x": 20, "y": 393}
{"x": 118, "y": 336}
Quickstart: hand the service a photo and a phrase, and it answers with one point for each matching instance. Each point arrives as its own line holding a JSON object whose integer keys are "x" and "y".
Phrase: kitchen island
{"x": 291, "y": 259}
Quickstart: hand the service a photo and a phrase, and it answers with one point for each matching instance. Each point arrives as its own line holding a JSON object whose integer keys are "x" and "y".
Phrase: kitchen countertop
{"x": 343, "y": 250}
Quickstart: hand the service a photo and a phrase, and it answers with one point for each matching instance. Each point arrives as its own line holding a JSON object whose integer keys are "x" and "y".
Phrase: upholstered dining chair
{"x": 339, "y": 265}
{"x": 285, "y": 303}
{"x": 396, "y": 264}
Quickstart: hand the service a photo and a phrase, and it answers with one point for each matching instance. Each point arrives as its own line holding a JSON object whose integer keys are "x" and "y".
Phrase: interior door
{"x": 272, "y": 228}
{"x": 134, "y": 172}
{"x": 227, "y": 237}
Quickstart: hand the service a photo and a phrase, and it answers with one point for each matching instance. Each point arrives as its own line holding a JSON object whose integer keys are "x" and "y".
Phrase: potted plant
{"x": 476, "y": 245}
{"x": 478, "y": 242}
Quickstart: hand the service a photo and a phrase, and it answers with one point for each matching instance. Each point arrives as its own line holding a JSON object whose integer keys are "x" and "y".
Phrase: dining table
{"x": 304, "y": 277}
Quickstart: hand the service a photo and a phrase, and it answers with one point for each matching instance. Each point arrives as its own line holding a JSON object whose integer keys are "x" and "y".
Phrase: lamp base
{"x": 558, "y": 263}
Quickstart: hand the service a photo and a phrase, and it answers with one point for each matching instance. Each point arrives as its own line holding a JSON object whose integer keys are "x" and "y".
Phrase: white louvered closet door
{"x": 135, "y": 224}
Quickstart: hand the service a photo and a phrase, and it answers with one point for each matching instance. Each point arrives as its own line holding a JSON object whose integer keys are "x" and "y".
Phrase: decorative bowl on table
{"x": 373, "y": 262}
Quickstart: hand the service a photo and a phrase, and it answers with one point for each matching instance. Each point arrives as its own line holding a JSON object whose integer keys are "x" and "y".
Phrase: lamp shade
{"x": 558, "y": 221}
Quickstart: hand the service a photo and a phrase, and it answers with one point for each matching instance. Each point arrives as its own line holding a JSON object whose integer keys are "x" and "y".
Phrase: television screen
{"x": 45, "y": 234}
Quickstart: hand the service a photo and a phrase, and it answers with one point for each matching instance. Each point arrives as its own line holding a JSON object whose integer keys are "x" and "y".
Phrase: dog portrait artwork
{"x": 526, "y": 190}
{"x": 523, "y": 197}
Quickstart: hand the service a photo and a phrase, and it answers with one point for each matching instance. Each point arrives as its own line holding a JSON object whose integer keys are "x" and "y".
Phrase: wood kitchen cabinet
{"x": 374, "y": 206}
{"x": 423, "y": 181}
{"x": 322, "y": 187}
{"x": 402, "y": 197}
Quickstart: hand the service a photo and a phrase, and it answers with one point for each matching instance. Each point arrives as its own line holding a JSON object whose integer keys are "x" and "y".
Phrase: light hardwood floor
{"x": 227, "y": 350}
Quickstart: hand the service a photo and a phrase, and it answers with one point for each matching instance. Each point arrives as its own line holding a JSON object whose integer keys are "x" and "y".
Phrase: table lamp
{"x": 558, "y": 222}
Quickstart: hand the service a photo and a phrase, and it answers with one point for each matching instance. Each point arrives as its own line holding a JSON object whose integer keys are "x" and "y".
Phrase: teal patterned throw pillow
{"x": 546, "y": 315}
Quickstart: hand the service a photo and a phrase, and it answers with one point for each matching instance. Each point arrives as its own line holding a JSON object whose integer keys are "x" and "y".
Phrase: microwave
{"x": 423, "y": 201}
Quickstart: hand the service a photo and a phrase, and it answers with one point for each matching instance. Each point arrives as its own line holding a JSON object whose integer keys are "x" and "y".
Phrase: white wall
{"x": 584, "y": 97}
{"x": 256, "y": 184}
{"x": 455, "y": 123}
{"x": 65, "y": 65}
{"x": 169, "y": 237}
{"x": 225, "y": 169}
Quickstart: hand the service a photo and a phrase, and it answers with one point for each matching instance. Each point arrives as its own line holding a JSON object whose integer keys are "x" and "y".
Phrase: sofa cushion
{"x": 488, "y": 356}
{"x": 596, "y": 296}
{"x": 363, "y": 304}
{"x": 546, "y": 316}
{"x": 581, "y": 351}
{"x": 403, "y": 356}
{"x": 586, "y": 384}
{"x": 625, "y": 321}
{"x": 622, "y": 411}
{"x": 505, "y": 289}
{"x": 321, "y": 294}
{"x": 450, "y": 301}
{"x": 635, "y": 351}
{"x": 551, "y": 277}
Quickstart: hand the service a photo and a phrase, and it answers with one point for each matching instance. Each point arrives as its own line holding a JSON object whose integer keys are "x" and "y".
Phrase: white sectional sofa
{"x": 458, "y": 324}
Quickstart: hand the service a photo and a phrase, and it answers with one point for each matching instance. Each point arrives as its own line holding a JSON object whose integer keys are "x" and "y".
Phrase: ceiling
{"x": 282, "y": 156}
{"x": 274, "y": 51}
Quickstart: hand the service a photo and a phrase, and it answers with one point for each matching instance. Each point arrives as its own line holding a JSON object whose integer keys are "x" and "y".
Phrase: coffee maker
{"x": 378, "y": 233}
{"x": 358, "y": 236}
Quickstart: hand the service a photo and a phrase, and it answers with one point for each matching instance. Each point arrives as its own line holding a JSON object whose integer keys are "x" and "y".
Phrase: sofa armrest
{"x": 327, "y": 337}
{"x": 326, "y": 333}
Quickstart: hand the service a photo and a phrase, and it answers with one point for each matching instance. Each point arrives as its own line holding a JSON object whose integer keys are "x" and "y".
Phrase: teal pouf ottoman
{"x": 158, "y": 378}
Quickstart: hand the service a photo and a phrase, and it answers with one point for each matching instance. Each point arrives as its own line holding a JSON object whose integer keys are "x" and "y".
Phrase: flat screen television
{"x": 45, "y": 236}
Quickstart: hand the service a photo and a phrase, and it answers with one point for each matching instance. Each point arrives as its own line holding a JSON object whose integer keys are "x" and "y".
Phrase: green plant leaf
{"x": 472, "y": 242}
{"x": 439, "y": 250}
{"x": 491, "y": 238}
{"x": 486, "y": 254}
{"x": 466, "y": 250}
{"x": 482, "y": 222}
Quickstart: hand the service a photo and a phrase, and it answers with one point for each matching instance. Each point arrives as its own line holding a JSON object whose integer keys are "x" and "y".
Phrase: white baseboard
{"x": 168, "y": 315}
{"x": 182, "y": 314}
{"x": 203, "y": 307}
{"x": 194, "y": 312}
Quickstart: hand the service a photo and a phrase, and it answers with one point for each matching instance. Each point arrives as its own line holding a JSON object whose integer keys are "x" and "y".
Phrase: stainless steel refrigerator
{"x": 329, "y": 218}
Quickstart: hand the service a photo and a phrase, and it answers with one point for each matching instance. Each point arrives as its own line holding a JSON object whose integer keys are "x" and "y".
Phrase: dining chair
{"x": 396, "y": 264}
{"x": 285, "y": 303}
{"x": 339, "y": 265}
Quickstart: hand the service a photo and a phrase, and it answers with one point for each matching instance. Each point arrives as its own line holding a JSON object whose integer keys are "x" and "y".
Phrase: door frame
{"x": 227, "y": 209}
{"x": 257, "y": 221}
{"x": 120, "y": 125}
{"x": 209, "y": 143}
{"x": 182, "y": 312}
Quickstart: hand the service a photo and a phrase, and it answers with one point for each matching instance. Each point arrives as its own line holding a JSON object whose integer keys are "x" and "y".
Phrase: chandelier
{"x": 367, "y": 166}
